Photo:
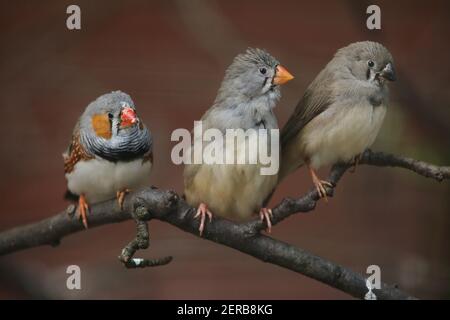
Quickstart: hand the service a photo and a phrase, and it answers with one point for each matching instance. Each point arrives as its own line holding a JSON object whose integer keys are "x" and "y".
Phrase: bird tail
{"x": 283, "y": 172}
{"x": 288, "y": 165}
{"x": 71, "y": 196}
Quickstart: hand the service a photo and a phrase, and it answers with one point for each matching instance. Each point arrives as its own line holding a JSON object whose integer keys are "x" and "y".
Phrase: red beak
{"x": 128, "y": 117}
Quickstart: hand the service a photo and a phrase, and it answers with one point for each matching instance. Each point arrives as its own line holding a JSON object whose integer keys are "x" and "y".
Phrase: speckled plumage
{"x": 75, "y": 153}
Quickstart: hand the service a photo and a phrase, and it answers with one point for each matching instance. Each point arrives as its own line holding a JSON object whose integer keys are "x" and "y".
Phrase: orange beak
{"x": 128, "y": 117}
{"x": 282, "y": 76}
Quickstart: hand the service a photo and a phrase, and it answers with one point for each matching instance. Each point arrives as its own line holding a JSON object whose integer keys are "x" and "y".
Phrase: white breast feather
{"x": 99, "y": 179}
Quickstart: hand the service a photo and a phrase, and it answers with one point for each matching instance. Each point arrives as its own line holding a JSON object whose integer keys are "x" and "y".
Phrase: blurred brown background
{"x": 170, "y": 57}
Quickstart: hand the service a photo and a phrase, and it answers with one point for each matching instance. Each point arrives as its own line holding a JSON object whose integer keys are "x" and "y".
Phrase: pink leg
{"x": 266, "y": 214}
{"x": 355, "y": 162}
{"x": 202, "y": 212}
{"x": 319, "y": 184}
{"x": 83, "y": 210}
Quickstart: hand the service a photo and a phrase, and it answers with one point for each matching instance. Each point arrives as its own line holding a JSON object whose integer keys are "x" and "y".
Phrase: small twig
{"x": 289, "y": 206}
{"x": 422, "y": 168}
{"x": 135, "y": 263}
{"x": 141, "y": 241}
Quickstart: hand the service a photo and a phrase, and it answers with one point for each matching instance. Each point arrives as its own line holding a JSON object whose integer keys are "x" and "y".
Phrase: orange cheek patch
{"x": 102, "y": 126}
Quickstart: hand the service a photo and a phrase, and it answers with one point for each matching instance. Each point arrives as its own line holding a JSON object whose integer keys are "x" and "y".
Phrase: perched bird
{"x": 246, "y": 98}
{"x": 341, "y": 111}
{"x": 110, "y": 152}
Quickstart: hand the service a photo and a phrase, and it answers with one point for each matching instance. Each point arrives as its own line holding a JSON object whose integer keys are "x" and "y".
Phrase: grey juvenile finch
{"x": 341, "y": 111}
{"x": 246, "y": 98}
{"x": 110, "y": 152}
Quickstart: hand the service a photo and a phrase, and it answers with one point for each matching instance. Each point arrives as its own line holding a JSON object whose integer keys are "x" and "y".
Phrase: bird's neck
{"x": 244, "y": 113}
{"x": 124, "y": 146}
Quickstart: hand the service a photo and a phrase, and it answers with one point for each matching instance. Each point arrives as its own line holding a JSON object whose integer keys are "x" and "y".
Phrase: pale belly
{"x": 234, "y": 191}
{"x": 340, "y": 135}
{"x": 231, "y": 191}
{"x": 99, "y": 179}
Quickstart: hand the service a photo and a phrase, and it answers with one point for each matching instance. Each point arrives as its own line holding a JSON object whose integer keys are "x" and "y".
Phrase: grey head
{"x": 110, "y": 128}
{"x": 253, "y": 74}
{"x": 359, "y": 71}
{"x": 249, "y": 92}
{"x": 367, "y": 61}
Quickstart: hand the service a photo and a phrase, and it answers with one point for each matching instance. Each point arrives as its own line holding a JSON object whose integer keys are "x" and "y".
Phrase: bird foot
{"x": 320, "y": 187}
{"x": 83, "y": 210}
{"x": 354, "y": 162}
{"x": 120, "y": 195}
{"x": 266, "y": 214}
{"x": 202, "y": 212}
{"x": 319, "y": 184}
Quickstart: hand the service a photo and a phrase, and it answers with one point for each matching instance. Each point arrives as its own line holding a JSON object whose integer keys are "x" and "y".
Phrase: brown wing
{"x": 148, "y": 157}
{"x": 75, "y": 152}
{"x": 317, "y": 98}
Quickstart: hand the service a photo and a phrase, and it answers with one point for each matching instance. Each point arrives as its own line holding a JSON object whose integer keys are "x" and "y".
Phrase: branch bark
{"x": 247, "y": 237}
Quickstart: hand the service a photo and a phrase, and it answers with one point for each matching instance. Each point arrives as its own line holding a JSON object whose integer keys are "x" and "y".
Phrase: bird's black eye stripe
{"x": 110, "y": 117}
{"x": 265, "y": 81}
{"x": 261, "y": 122}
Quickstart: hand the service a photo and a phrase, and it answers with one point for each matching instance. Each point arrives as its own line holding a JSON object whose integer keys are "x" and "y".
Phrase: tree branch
{"x": 169, "y": 207}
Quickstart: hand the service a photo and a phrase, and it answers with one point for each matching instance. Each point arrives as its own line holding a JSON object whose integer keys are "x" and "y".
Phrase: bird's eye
{"x": 110, "y": 116}
{"x": 263, "y": 70}
{"x": 370, "y": 63}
